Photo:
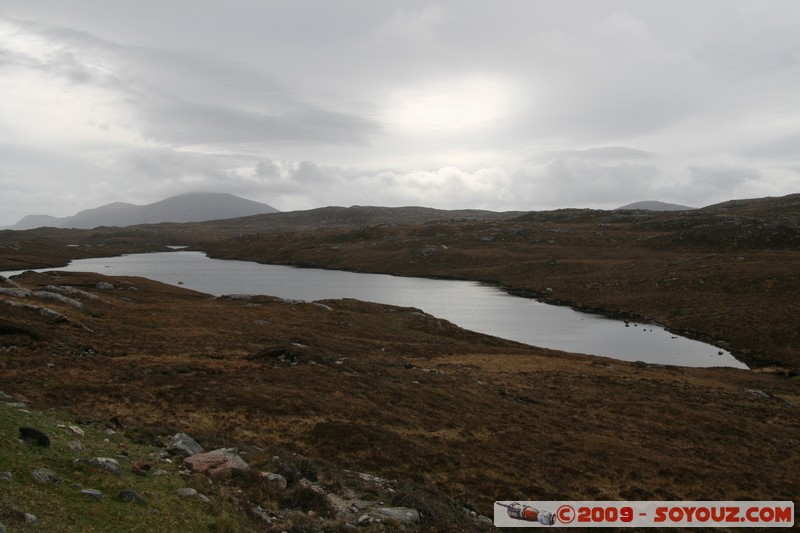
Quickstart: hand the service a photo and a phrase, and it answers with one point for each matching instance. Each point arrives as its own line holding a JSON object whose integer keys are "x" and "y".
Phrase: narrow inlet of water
{"x": 471, "y": 305}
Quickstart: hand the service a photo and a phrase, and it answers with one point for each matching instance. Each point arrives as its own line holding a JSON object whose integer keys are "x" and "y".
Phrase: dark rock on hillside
{"x": 35, "y": 436}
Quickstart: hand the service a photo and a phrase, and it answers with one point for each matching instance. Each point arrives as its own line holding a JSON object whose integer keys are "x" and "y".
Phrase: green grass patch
{"x": 61, "y": 507}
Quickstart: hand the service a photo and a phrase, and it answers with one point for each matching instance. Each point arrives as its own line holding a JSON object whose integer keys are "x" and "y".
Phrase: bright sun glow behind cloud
{"x": 448, "y": 106}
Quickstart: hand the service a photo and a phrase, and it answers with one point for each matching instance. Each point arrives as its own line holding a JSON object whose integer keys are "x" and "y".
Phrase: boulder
{"x": 223, "y": 463}
{"x": 275, "y": 481}
{"x": 45, "y": 475}
{"x": 34, "y": 435}
{"x": 131, "y": 497}
{"x": 405, "y": 515}
{"x": 105, "y": 464}
{"x": 183, "y": 444}
{"x": 92, "y": 493}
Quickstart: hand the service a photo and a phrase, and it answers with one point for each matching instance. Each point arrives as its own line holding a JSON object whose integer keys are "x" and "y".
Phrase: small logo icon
{"x": 518, "y": 511}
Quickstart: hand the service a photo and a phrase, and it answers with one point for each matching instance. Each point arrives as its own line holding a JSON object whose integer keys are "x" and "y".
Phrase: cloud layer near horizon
{"x": 476, "y": 104}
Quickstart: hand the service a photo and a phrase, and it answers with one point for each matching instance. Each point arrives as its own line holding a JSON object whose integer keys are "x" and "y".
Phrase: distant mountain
{"x": 191, "y": 207}
{"x": 36, "y": 221}
{"x": 652, "y": 205}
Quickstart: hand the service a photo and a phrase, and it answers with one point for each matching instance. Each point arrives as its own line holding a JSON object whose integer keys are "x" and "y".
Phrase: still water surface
{"x": 471, "y": 305}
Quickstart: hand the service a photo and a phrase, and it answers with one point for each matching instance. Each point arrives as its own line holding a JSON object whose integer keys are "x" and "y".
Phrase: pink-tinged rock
{"x": 218, "y": 464}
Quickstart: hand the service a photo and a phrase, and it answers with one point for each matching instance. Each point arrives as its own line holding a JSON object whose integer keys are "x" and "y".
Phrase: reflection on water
{"x": 469, "y": 304}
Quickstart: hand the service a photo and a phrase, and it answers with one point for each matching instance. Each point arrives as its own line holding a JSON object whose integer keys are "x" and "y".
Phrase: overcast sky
{"x": 528, "y": 104}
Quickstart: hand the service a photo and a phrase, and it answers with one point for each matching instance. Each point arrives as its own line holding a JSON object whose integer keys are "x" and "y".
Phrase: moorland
{"x": 403, "y": 395}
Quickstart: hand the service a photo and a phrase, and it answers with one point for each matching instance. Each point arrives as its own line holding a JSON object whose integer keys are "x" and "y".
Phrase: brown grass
{"x": 499, "y": 421}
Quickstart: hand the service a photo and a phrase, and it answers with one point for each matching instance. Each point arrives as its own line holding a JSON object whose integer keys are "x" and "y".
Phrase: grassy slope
{"x": 61, "y": 507}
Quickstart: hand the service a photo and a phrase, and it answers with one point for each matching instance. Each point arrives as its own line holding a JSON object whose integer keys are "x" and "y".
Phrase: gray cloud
{"x": 503, "y": 105}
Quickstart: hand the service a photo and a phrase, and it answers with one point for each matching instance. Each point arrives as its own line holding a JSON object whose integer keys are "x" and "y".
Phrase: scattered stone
{"x": 93, "y": 493}
{"x": 183, "y": 444}
{"x": 45, "y": 475}
{"x": 258, "y": 512}
{"x": 163, "y": 456}
{"x": 131, "y": 497}
{"x": 49, "y": 313}
{"x": 5, "y": 397}
{"x": 276, "y": 481}
{"x": 759, "y": 393}
{"x": 104, "y": 286}
{"x": 188, "y": 492}
{"x": 398, "y": 514}
{"x": 76, "y": 430}
{"x": 141, "y": 467}
{"x": 35, "y": 436}
{"x": 485, "y": 520}
{"x": 223, "y": 463}
{"x": 6, "y": 476}
{"x": 16, "y": 405}
{"x": 30, "y": 518}
{"x": 105, "y": 464}
{"x": 75, "y": 446}
{"x": 160, "y": 472}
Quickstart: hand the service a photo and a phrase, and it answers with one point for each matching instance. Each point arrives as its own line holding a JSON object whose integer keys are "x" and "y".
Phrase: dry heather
{"x": 401, "y": 394}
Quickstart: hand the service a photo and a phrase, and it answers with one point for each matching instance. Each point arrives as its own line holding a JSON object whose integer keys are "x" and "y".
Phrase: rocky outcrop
{"x": 46, "y": 294}
{"x": 223, "y": 463}
{"x": 66, "y": 290}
